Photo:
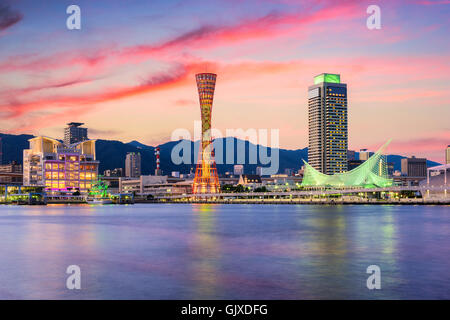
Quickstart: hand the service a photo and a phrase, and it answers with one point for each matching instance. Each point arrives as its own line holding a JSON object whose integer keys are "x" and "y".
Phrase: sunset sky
{"x": 129, "y": 72}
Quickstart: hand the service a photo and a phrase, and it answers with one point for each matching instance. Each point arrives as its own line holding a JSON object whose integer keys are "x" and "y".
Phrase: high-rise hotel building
{"x": 60, "y": 167}
{"x": 74, "y": 133}
{"x": 327, "y": 119}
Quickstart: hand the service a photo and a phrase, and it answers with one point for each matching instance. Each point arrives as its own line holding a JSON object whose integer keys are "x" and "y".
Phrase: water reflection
{"x": 206, "y": 250}
{"x": 224, "y": 251}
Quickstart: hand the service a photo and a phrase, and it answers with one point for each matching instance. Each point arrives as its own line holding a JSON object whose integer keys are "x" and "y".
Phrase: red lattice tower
{"x": 206, "y": 179}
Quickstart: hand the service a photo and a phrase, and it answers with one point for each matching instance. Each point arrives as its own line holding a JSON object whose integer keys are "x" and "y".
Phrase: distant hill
{"x": 111, "y": 154}
{"x": 13, "y": 145}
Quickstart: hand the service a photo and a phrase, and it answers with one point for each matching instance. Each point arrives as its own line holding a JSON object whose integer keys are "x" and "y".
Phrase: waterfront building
{"x": 74, "y": 133}
{"x": 12, "y": 167}
{"x": 238, "y": 169}
{"x": 327, "y": 120}
{"x": 145, "y": 186}
{"x": 282, "y": 182}
{"x": 206, "y": 179}
{"x": 414, "y": 167}
{"x": 59, "y": 167}
{"x": 438, "y": 176}
{"x": 133, "y": 164}
{"x": 367, "y": 175}
{"x": 113, "y": 183}
{"x": 11, "y": 173}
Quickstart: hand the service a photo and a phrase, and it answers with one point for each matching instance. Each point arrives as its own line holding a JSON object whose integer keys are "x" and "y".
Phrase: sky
{"x": 129, "y": 72}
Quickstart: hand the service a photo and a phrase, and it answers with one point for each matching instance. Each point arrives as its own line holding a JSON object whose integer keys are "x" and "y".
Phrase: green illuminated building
{"x": 327, "y": 120}
{"x": 370, "y": 174}
{"x": 327, "y": 77}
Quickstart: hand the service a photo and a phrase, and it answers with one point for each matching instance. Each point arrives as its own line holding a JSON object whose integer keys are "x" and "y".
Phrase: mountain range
{"x": 112, "y": 153}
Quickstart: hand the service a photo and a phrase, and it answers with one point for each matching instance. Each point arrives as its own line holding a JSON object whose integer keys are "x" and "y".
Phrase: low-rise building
{"x": 58, "y": 167}
{"x": 282, "y": 182}
{"x": 155, "y": 186}
{"x": 11, "y": 173}
{"x": 437, "y": 177}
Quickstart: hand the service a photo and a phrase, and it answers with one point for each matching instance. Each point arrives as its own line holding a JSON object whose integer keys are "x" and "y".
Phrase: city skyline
{"x": 119, "y": 80}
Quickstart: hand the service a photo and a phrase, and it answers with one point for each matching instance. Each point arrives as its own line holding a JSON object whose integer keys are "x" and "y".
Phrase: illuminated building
{"x": 327, "y": 120}
{"x": 206, "y": 179}
{"x": 371, "y": 173}
{"x": 59, "y": 167}
{"x": 133, "y": 164}
{"x": 74, "y": 133}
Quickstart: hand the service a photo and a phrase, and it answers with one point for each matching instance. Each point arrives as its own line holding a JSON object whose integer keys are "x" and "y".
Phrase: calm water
{"x": 179, "y": 251}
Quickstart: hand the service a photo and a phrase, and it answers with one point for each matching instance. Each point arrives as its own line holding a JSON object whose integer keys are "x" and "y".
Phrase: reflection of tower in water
{"x": 205, "y": 267}
{"x": 206, "y": 179}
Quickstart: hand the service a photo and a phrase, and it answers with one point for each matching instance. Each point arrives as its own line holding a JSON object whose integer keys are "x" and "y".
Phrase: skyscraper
{"x": 74, "y": 133}
{"x": 133, "y": 164}
{"x": 327, "y": 120}
{"x": 206, "y": 179}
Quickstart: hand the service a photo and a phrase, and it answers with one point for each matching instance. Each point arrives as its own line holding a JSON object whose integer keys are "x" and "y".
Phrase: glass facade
{"x": 327, "y": 121}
